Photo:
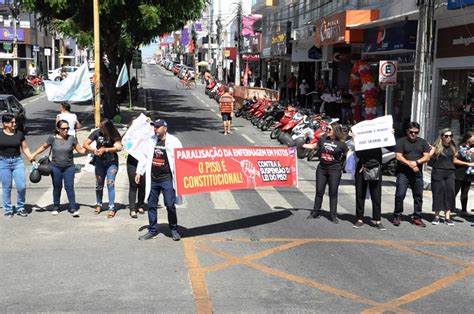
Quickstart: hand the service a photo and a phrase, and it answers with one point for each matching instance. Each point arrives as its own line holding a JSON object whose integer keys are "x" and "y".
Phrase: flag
{"x": 123, "y": 76}
{"x": 76, "y": 87}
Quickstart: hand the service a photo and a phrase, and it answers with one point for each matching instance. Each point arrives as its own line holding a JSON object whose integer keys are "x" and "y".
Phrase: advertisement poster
{"x": 202, "y": 170}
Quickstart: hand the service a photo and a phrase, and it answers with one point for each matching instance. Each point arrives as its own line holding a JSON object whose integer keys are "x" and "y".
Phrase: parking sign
{"x": 388, "y": 72}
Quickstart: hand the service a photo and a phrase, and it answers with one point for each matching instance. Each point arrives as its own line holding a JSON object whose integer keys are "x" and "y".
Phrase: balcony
{"x": 264, "y": 6}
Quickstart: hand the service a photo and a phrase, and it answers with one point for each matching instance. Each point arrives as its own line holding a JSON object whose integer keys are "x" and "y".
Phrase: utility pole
{"x": 14, "y": 10}
{"x": 97, "y": 61}
{"x": 209, "y": 36}
{"x": 239, "y": 38}
{"x": 423, "y": 64}
{"x": 219, "y": 58}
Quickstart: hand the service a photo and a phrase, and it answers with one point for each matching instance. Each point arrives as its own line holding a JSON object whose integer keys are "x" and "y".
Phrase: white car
{"x": 55, "y": 75}
{"x": 152, "y": 61}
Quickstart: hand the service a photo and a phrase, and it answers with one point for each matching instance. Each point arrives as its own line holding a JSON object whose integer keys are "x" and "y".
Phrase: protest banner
{"x": 136, "y": 139}
{"x": 202, "y": 170}
{"x": 373, "y": 133}
{"x": 76, "y": 87}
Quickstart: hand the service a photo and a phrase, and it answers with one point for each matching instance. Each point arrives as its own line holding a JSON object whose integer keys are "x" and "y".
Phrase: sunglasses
{"x": 414, "y": 132}
{"x": 447, "y": 135}
{"x": 64, "y": 128}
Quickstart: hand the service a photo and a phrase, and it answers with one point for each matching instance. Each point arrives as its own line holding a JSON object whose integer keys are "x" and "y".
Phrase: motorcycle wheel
{"x": 247, "y": 115}
{"x": 255, "y": 120}
{"x": 275, "y": 133}
{"x": 260, "y": 123}
{"x": 267, "y": 123}
{"x": 238, "y": 113}
{"x": 285, "y": 138}
{"x": 300, "y": 151}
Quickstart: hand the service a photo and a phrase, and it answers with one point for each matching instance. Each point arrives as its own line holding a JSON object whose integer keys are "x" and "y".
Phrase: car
{"x": 151, "y": 61}
{"x": 9, "y": 104}
{"x": 55, "y": 75}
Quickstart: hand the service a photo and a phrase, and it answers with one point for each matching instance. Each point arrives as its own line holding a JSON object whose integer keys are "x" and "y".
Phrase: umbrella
{"x": 202, "y": 63}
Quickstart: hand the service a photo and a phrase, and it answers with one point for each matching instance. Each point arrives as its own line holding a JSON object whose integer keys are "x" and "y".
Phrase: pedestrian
{"x": 332, "y": 151}
{"x": 159, "y": 171}
{"x": 62, "y": 165}
{"x": 71, "y": 118}
{"x": 463, "y": 174}
{"x": 303, "y": 90}
{"x": 134, "y": 188}
{"x": 411, "y": 153}
{"x": 226, "y": 107}
{"x": 8, "y": 69}
{"x": 442, "y": 156}
{"x": 12, "y": 142}
{"x": 108, "y": 143}
{"x": 291, "y": 84}
{"x": 369, "y": 158}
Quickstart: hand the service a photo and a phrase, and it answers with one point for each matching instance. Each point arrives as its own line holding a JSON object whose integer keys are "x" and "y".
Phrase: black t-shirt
{"x": 444, "y": 160}
{"x": 102, "y": 141}
{"x": 411, "y": 151}
{"x": 62, "y": 150}
{"x": 160, "y": 168}
{"x": 364, "y": 156}
{"x": 10, "y": 144}
{"x": 331, "y": 153}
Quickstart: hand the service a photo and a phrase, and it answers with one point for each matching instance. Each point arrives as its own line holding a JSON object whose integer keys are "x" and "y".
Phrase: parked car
{"x": 55, "y": 75}
{"x": 9, "y": 104}
{"x": 151, "y": 61}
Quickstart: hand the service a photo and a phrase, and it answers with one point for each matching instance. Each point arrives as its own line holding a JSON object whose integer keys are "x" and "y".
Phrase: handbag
{"x": 44, "y": 164}
{"x": 371, "y": 170}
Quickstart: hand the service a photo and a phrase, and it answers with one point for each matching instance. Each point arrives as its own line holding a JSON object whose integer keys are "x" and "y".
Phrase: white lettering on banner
{"x": 135, "y": 140}
{"x": 373, "y": 133}
{"x": 463, "y": 41}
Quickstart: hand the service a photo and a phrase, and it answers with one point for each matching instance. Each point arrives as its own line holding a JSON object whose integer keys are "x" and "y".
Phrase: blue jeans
{"x": 169, "y": 197}
{"x": 415, "y": 182}
{"x": 13, "y": 168}
{"x": 59, "y": 174}
{"x": 105, "y": 170}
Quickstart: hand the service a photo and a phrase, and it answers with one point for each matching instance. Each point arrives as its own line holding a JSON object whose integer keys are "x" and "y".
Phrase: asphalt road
{"x": 248, "y": 251}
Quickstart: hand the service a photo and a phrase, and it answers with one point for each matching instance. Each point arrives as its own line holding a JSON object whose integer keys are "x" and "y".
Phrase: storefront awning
{"x": 385, "y": 21}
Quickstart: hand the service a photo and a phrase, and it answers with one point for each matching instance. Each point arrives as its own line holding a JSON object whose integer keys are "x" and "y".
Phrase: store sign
{"x": 250, "y": 56}
{"x": 230, "y": 53}
{"x": 388, "y": 72}
{"x": 401, "y": 35}
{"x": 455, "y": 41}
{"x": 458, "y": 4}
{"x": 9, "y": 34}
{"x": 278, "y": 39}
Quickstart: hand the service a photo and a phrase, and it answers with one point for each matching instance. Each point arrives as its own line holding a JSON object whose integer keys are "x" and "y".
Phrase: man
{"x": 207, "y": 77}
{"x": 8, "y": 69}
{"x": 291, "y": 84}
{"x": 159, "y": 173}
{"x": 411, "y": 153}
{"x": 303, "y": 90}
{"x": 226, "y": 107}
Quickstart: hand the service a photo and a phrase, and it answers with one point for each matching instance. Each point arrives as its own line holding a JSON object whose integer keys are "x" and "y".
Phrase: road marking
{"x": 218, "y": 115}
{"x": 207, "y": 105}
{"x": 213, "y": 110}
{"x": 224, "y": 200}
{"x": 248, "y": 138}
{"x": 273, "y": 198}
{"x": 201, "y": 100}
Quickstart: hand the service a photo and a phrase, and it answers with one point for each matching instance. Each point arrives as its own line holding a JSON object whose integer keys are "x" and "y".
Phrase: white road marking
{"x": 224, "y": 200}
{"x": 273, "y": 198}
{"x": 213, "y": 110}
{"x": 248, "y": 138}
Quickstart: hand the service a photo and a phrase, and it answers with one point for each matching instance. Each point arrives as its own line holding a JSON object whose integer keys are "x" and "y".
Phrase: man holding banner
{"x": 159, "y": 169}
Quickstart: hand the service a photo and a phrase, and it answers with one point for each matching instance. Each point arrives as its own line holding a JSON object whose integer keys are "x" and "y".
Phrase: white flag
{"x": 123, "y": 76}
{"x": 76, "y": 87}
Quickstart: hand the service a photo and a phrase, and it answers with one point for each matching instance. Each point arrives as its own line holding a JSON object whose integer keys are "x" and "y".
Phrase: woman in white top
{"x": 71, "y": 118}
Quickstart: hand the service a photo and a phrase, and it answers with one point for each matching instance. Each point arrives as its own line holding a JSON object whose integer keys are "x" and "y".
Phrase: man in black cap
{"x": 159, "y": 170}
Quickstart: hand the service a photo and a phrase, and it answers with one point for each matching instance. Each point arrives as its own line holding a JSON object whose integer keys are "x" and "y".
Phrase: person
{"x": 186, "y": 75}
{"x": 291, "y": 84}
{"x": 332, "y": 151}
{"x": 134, "y": 188}
{"x": 346, "y": 110}
{"x": 282, "y": 87}
{"x": 365, "y": 157}
{"x": 411, "y": 153}
{"x": 159, "y": 171}
{"x": 442, "y": 156}
{"x": 12, "y": 142}
{"x": 108, "y": 143}
{"x": 8, "y": 69}
{"x": 62, "y": 165}
{"x": 71, "y": 118}
{"x": 464, "y": 176}
{"x": 207, "y": 77}
{"x": 303, "y": 90}
{"x": 32, "y": 69}
{"x": 226, "y": 107}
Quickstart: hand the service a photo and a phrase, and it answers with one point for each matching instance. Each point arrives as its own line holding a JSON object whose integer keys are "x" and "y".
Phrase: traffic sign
{"x": 211, "y": 61}
{"x": 388, "y": 72}
{"x": 137, "y": 59}
{"x": 36, "y": 48}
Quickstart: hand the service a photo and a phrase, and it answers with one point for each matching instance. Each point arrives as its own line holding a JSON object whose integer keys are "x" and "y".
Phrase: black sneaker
{"x": 380, "y": 227}
{"x": 314, "y": 215}
{"x": 22, "y": 214}
{"x": 175, "y": 235}
{"x": 358, "y": 224}
{"x": 147, "y": 236}
{"x": 9, "y": 215}
{"x": 435, "y": 221}
{"x": 449, "y": 222}
{"x": 334, "y": 220}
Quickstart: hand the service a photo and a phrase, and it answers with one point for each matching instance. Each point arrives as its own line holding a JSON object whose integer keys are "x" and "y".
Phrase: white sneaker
{"x": 75, "y": 213}
{"x": 54, "y": 213}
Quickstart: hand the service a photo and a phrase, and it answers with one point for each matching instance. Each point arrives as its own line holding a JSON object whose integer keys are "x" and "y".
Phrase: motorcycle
{"x": 287, "y": 117}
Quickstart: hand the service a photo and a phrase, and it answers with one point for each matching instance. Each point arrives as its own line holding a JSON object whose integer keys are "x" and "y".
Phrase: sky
{"x": 149, "y": 50}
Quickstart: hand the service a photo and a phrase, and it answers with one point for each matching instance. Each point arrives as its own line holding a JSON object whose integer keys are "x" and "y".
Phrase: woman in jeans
{"x": 464, "y": 172}
{"x": 332, "y": 151}
{"x": 108, "y": 143}
{"x": 12, "y": 142}
{"x": 63, "y": 169}
{"x": 134, "y": 187}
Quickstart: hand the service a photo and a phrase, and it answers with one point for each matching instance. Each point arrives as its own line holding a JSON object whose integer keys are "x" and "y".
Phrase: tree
{"x": 124, "y": 26}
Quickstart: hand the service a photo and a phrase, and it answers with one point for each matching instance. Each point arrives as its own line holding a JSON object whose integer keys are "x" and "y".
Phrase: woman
{"x": 464, "y": 177}
{"x": 332, "y": 151}
{"x": 442, "y": 157}
{"x": 132, "y": 192}
{"x": 63, "y": 169}
{"x": 12, "y": 142}
{"x": 108, "y": 143}
{"x": 71, "y": 118}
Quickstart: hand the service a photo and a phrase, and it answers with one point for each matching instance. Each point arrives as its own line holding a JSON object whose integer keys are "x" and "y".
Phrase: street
{"x": 243, "y": 251}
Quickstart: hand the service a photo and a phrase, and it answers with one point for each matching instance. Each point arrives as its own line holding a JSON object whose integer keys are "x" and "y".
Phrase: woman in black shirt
{"x": 332, "y": 152}
{"x": 12, "y": 142}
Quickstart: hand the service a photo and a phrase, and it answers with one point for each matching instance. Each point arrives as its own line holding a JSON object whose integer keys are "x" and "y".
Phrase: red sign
{"x": 230, "y": 53}
{"x": 202, "y": 170}
{"x": 250, "y": 56}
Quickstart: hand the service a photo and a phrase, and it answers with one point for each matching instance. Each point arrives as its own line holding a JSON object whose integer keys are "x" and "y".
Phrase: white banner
{"x": 76, "y": 87}
{"x": 136, "y": 138}
{"x": 373, "y": 133}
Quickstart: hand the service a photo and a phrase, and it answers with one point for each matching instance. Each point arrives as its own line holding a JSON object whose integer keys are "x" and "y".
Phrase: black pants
{"x": 332, "y": 177}
{"x": 415, "y": 182}
{"x": 133, "y": 188}
{"x": 442, "y": 187}
{"x": 375, "y": 188}
{"x": 464, "y": 186}
{"x": 291, "y": 94}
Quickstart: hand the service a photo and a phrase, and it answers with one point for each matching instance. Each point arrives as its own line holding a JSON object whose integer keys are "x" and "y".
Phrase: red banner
{"x": 202, "y": 170}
